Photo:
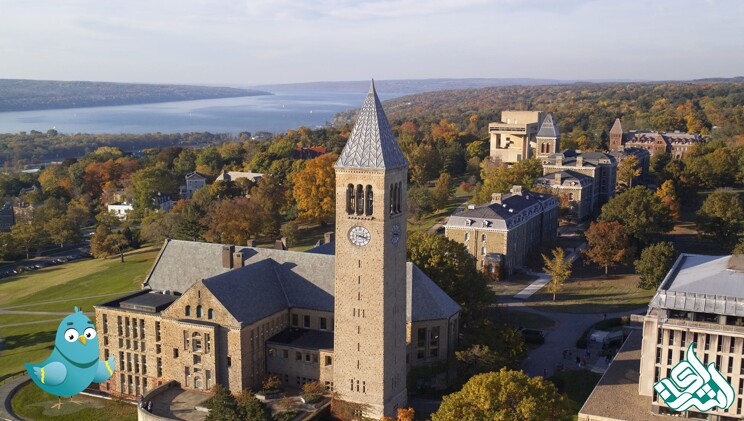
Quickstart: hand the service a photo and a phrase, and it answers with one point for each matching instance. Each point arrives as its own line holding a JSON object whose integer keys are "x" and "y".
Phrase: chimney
{"x": 329, "y": 237}
{"x": 516, "y": 190}
{"x": 251, "y": 243}
{"x": 496, "y": 198}
{"x": 559, "y": 160}
{"x": 238, "y": 259}
{"x": 227, "y": 256}
{"x": 279, "y": 245}
{"x": 579, "y": 161}
{"x": 558, "y": 178}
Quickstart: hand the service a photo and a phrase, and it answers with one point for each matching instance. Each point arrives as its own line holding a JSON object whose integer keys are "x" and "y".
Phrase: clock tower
{"x": 370, "y": 298}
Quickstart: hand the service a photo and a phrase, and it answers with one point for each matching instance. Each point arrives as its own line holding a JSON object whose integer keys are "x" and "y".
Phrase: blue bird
{"x": 74, "y": 362}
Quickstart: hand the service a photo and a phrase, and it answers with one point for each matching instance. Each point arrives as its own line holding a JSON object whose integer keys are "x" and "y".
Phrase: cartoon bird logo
{"x": 74, "y": 362}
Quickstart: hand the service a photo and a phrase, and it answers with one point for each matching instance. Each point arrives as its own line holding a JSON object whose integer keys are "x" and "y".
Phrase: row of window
{"x": 194, "y": 378}
{"x": 427, "y": 342}
{"x": 705, "y": 317}
{"x": 697, "y": 415}
{"x": 199, "y": 312}
{"x": 308, "y": 357}
{"x": 129, "y": 327}
{"x": 702, "y": 341}
{"x": 196, "y": 343}
{"x": 322, "y": 322}
{"x": 359, "y": 200}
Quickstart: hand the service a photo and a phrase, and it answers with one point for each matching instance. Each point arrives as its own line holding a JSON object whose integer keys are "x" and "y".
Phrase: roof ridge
{"x": 280, "y": 279}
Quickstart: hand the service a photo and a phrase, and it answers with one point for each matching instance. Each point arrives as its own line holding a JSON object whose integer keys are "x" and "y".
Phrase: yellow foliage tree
{"x": 315, "y": 188}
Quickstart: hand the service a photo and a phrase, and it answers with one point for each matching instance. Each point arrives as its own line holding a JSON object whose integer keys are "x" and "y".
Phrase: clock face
{"x": 359, "y": 236}
{"x": 395, "y": 234}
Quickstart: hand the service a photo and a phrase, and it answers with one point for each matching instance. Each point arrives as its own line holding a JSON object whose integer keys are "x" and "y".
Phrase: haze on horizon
{"x": 253, "y": 42}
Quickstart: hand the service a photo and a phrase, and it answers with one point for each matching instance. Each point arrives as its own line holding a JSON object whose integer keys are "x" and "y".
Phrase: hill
{"x": 26, "y": 95}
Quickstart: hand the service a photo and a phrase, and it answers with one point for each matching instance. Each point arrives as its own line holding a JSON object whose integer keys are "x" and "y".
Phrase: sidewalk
{"x": 6, "y": 413}
{"x": 543, "y": 278}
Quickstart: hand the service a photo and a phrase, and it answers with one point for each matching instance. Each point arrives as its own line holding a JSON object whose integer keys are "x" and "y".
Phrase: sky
{"x": 250, "y": 42}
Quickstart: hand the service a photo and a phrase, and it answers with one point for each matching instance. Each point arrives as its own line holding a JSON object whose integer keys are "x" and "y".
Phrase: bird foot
{"x": 72, "y": 400}
{"x": 58, "y": 405}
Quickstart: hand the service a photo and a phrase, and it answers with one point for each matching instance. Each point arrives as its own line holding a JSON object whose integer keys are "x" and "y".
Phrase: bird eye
{"x": 71, "y": 335}
{"x": 89, "y": 333}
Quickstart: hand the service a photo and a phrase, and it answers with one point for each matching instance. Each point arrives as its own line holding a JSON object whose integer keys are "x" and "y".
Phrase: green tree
{"x": 659, "y": 162}
{"x": 443, "y": 190}
{"x": 505, "y": 396}
{"x": 721, "y": 216}
{"x": 291, "y": 232}
{"x": 420, "y": 202}
{"x": 450, "y": 266}
{"x": 268, "y": 199}
{"x": 424, "y": 163}
{"x": 641, "y": 212}
{"x": 559, "y": 269}
{"x": 27, "y": 236}
{"x": 223, "y": 406}
{"x": 62, "y": 230}
{"x": 739, "y": 248}
{"x": 252, "y": 409}
{"x": 499, "y": 178}
{"x": 315, "y": 189}
{"x": 654, "y": 263}
{"x": 627, "y": 171}
{"x": 608, "y": 243}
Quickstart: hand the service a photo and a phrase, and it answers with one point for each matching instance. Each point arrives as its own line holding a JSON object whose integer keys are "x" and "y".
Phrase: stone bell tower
{"x": 370, "y": 297}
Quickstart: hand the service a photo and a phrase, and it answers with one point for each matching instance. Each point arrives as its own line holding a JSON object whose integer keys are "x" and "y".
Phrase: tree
{"x": 443, "y": 190}
{"x": 223, "y": 406}
{"x": 106, "y": 243}
{"x": 420, "y": 202}
{"x": 739, "y": 248}
{"x": 721, "y": 216}
{"x": 453, "y": 269}
{"x": 668, "y": 195}
{"x": 654, "y": 263}
{"x": 315, "y": 189}
{"x": 505, "y": 396}
{"x": 559, "y": 269}
{"x": 312, "y": 391}
{"x": 499, "y": 178}
{"x": 252, "y": 409}
{"x": 628, "y": 170}
{"x": 609, "y": 244}
{"x": 62, "y": 230}
{"x": 27, "y": 236}
{"x": 232, "y": 221}
{"x": 424, "y": 163}
{"x": 641, "y": 212}
{"x": 268, "y": 200}
{"x": 291, "y": 232}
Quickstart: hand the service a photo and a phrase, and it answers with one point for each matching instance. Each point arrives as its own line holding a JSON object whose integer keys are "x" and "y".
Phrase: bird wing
{"x": 105, "y": 370}
{"x": 51, "y": 374}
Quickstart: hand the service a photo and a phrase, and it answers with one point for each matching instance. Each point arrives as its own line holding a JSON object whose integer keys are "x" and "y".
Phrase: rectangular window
{"x": 323, "y": 323}
{"x": 684, "y": 338}
{"x": 669, "y": 357}
{"x": 298, "y": 356}
{"x": 307, "y": 358}
{"x": 160, "y": 367}
{"x": 306, "y": 321}
{"x": 671, "y": 337}
{"x": 197, "y": 359}
{"x": 295, "y": 320}
{"x": 229, "y": 361}
{"x": 730, "y": 364}
{"x": 285, "y": 353}
{"x": 421, "y": 338}
{"x": 175, "y": 352}
{"x": 157, "y": 331}
{"x": 707, "y": 341}
{"x": 105, "y": 324}
{"x": 328, "y": 360}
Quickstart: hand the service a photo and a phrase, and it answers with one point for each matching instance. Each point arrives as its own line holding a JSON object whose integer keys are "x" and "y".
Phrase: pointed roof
{"x": 548, "y": 127}
{"x": 371, "y": 143}
{"x": 617, "y": 127}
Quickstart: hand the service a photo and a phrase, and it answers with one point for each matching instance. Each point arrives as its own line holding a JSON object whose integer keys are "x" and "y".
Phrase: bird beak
{"x": 81, "y": 338}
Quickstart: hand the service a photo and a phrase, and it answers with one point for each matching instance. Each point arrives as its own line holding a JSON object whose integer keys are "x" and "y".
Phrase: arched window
{"x": 392, "y": 206}
{"x": 483, "y": 238}
{"x": 359, "y": 199}
{"x": 467, "y": 236}
{"x": 196, "y": 342}
{"x": 350, "y": 199}
{"x": 369, "y": 201}
{"x": 483, "y": 250}
{"x": 188, "y": 310}
{"x": 399, "y": 198}
{"x": 210, "y": 314}
{"x": 198, "y": 311}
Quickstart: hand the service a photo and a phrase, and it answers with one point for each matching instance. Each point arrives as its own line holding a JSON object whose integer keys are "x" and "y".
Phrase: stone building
{"x": 234, "y": 175}
{"x": 699, "y": 301}
{"x": 548, "y": 137}
{"x": 677, "y": 143}
{"x": 513, "y": 137}
{"x": 352, "y": 314}
{"x": 194, "y": 181}
{"x": 602, "y": 168}
{"x": 506, "y": 230}
{"x": 576, "y": 188}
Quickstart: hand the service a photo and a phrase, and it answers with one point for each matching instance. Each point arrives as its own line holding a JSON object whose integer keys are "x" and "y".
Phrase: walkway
{"x": 6, "y": 413}
{"x": 544, "y": 278}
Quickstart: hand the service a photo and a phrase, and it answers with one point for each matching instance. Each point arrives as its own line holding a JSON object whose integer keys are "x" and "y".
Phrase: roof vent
{"x": 471, "y": 207}
{"x": 511, "y": 210}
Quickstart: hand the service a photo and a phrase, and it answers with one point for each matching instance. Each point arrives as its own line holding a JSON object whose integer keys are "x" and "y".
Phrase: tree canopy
{"x": 654, "y": 263}
{"x": 641, "y": 212}
{"x": 608, "y": 243}
{"x": 721, "y": 216}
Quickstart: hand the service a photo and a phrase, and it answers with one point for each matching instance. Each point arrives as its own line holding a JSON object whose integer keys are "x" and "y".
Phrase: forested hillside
{"x": 24, "y": 95}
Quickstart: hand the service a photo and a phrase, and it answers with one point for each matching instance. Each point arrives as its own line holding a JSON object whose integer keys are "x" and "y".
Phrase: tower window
{"x": 399, "y": 196}
{"x": 369, "y": 201}
{"x": 350, "y": 199}
{"x": 359, "y": 199}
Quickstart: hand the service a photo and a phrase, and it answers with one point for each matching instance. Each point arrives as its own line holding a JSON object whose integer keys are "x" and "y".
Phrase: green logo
{"x": 693, "y": 384}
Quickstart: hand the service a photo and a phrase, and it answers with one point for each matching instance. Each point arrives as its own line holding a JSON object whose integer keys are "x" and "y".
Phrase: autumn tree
{"x": 315, "y": 189}
{"x": 232, "y": 221}
{"x": 721, "y": 216}
{"x": 252, "y": 409}
{"x": 443, "y": 190}
{"x": 107, "y": 243}
{"x": 627, "y": 171}
{"x": 505, "y": 395}
{"x": 453, "y": 269}
{"x": 608, "y": 243}
{"x": 739, "y": 248}
{"x": 62, "y": 230}
{"x": 654, "y": 263}
{"x": 559, "y": 269}
{"x": 641, "y": 212}
{"x": 499, "y": 178}
{"x": 268, "y": 198}
{"x": 668, "y": 195}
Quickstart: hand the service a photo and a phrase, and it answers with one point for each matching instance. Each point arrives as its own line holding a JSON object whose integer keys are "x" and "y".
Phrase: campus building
{"x": 194, "y": 181}
{"x": 514, "y": 135}
{"x": 701, "y": 300}
{"x": 354, "y": 314}
{"x": 575, "y": 188}
{"x": 501, "y": 234}
{"x": 600, "y": 167}
{"x": 677, "y": 143}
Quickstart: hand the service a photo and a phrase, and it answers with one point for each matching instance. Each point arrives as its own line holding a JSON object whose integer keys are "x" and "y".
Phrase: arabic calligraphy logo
{"x": 693, "y": 384}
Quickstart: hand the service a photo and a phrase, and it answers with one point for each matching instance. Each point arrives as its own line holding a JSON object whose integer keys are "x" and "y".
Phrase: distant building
{"x": 548, "y": 137}
{"x": 121, "y": 210}
{"x": 507, "y": 229}
{"x": 575, "y": 187}
{"x": 699, "y": 301}
{"x": 163, "y": 201}
{"x": 514, "y": 135}
{"x": 676, "y": 143}
{"x": 234, "y": 175}
{"x": 308, "y": 153}
{"x": 7, "y": 217}
{"x": 194, "y": 181}
{"x": 602, "y": 168}
{"x": 643, "y": 157}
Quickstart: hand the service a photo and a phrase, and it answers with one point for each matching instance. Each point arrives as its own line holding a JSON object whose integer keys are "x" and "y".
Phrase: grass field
{"x": 65, "y": 285}
{"x": 33, "y": 403}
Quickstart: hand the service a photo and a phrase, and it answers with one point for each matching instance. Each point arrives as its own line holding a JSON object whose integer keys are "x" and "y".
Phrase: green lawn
{"x": 428, "y": 220}
{"x": 66, "y": 284}
{"x": 33, "y": 403}
{"x": 577, "y": 384}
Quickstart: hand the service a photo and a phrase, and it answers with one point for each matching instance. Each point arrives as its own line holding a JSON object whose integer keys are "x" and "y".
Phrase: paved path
{"x": 5, "y": 412}
{"x": 544, "y": 278}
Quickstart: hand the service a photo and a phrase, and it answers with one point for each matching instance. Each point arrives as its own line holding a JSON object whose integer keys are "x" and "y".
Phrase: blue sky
{"x": 281, "y": 41}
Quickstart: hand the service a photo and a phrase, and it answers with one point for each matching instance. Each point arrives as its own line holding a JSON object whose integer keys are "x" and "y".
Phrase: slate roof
{"x": 272, "y": 280}
{"x": 590, "y": 159}
{"x": 703, "y": 284}
{"x": 513, "y": 210}
{"x": 303, "y": 339}
{"x": 616, "y": 127}
{"x": 371, "y": 143}
{"x": 548, "y": 128}
{"x": 566, "y": 178}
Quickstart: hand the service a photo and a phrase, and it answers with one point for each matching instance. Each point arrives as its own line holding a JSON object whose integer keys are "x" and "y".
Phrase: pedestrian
{"x": 141, "y": 402}
{"x": 149, "y": 406}
{"x": 605, "y": 316}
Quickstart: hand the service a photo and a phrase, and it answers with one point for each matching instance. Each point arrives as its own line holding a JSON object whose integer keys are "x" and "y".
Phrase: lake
{"x": 270, "y": 113}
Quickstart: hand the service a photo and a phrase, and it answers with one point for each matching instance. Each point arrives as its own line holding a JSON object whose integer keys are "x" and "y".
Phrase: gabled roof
{"x": 195, "y": 175}
{"x": 548, "y": 128}
{"x": 371, "y": 143}
{"x": 565, "y": 177}
{"x": 513, "y": 210}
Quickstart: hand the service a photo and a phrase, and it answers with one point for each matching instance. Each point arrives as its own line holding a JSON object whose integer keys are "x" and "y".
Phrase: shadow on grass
{"x": 24, "y": 275}
{"x": 28, "y": 339}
